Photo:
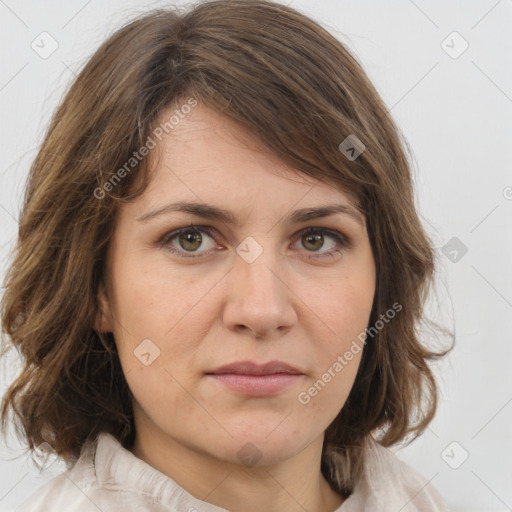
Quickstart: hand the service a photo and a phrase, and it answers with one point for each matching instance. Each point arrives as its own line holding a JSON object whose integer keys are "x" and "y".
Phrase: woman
{"x": 219, "y": 275}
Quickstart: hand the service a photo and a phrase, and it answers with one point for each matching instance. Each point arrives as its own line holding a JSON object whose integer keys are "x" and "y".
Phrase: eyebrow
{"x": 208, "y": 211}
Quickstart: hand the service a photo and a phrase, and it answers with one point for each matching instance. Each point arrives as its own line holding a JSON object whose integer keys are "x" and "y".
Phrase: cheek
{"x": 155, "y": 389}
{"x": 161, "y": 321}
{"x": 342, "y": 309}
{"x": 150, "y": 302}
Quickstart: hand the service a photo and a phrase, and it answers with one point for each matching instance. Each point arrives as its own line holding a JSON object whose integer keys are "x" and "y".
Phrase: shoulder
{"x": 106, "y": 477}
{"x": 68, "y": 491}
{"x": 386, "y": 479}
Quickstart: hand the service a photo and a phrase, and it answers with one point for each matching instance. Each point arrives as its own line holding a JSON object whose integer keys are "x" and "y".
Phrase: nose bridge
{"x": 256, "y": 269}
{"x": 259, "y": 298}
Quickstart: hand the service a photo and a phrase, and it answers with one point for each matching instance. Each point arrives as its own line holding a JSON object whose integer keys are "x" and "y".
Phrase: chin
{"x": 262, "y": 445}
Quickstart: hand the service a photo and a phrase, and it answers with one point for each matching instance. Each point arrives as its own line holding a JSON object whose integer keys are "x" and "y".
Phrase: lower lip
{"x": 257, "y": 385}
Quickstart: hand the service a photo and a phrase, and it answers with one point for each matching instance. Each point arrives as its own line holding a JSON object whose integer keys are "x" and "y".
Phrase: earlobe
{"x": 103, "y": 321}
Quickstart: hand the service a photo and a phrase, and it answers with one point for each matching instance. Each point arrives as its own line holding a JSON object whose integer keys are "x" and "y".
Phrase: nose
{"x": 259, "y": 301}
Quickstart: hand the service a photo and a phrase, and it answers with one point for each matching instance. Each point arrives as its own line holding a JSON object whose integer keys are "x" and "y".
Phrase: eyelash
{"x": 343, "y": 242}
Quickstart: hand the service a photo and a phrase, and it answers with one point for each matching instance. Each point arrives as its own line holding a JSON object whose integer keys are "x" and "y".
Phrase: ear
{"x": 104, "y": 321}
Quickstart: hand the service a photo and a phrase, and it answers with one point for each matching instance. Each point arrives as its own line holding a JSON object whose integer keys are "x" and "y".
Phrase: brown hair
{"x": 300, "y": 91}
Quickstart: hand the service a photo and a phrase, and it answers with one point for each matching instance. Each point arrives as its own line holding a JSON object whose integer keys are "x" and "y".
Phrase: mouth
{"x": 248, "y": 378}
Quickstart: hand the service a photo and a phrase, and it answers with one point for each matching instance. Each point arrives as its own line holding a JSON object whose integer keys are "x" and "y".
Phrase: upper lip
{"x": 250, "y": 368}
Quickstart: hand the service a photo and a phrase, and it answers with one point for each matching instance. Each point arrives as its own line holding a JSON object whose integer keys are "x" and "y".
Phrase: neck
{"x": 293, "y": 485}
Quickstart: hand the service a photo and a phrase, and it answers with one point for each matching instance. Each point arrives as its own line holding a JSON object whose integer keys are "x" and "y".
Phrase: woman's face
{"x": 256, "y": 289}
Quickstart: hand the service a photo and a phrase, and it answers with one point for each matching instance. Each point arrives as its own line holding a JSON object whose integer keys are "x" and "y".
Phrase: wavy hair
{"x": 301, "y": 92}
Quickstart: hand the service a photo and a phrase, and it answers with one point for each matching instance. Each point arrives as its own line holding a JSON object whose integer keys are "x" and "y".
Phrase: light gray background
{"x": 456, "y": 114}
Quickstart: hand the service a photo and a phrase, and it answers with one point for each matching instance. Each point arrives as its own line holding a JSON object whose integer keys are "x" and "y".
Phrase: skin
{"x": 217, "y": 308}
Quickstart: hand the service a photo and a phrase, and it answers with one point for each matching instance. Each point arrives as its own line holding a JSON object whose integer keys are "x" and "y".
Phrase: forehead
{"x": 209, "y": 157}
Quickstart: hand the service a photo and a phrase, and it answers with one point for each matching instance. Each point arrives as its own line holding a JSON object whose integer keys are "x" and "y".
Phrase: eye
{"x": 313, "y": 239}
{"x": 186, "y": 242}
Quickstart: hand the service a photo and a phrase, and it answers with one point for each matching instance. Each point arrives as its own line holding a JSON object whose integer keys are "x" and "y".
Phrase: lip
{"x": 254, "y": 379}
{"x": 250, "y": 368}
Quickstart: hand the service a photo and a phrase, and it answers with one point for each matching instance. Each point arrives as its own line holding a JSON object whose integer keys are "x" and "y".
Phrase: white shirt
{"x": 109, "y": 478}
